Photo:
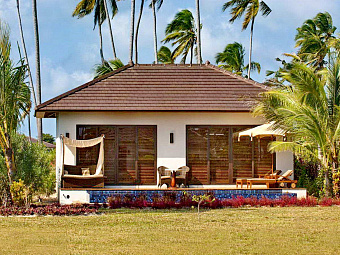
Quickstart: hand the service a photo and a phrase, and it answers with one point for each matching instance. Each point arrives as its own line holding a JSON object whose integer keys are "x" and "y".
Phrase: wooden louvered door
{"x": 127, "y": 155}
{"x": 197, "y": 151}
{"x": 263, "y": 158}
{"x": 146, "y": 149}
{"x": 218, "y": 154}
{"x": 110, "y": 161}
{"x": 87, "y": 156}
{"x": 242, "y": 150}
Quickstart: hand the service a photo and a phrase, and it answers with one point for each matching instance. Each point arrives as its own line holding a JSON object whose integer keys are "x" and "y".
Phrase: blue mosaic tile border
{"x": 100, "y": 196}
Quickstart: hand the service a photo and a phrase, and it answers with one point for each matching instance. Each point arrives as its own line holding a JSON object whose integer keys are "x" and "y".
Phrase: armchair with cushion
{"x": 182, "y": 176}
{"x": 164, "y": 176}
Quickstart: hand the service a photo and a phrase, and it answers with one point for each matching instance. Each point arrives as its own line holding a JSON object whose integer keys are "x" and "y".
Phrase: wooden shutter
{"x": 87, "y": 156}
{"x": 197, "y": 151}
{"x": 127, "y": 155}
{"x": 219, "y": 159}
{"x": 109, "y": 153}
{"x": 146, "y": 154}
{"x": 242, "y": 157}
{"x": 263, "y": 158}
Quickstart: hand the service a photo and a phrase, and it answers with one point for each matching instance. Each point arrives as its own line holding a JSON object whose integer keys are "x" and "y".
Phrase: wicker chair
{"x": 182, "y": 176}
{"x": 164, "y": 176}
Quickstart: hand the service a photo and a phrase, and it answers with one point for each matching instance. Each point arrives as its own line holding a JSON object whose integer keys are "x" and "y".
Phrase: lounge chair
{"x": 283, "y": 180}
{"x": 182, "y": 176}
{"x": 269, "y": 182}
{"x": 164, "y": 176}
{"x": 269, "y": 175}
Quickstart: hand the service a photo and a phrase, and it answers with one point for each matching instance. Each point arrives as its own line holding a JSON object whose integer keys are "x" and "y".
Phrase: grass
{"x": 293, "y": 230}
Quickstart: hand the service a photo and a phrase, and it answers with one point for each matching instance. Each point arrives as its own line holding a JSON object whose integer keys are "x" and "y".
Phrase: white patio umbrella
{"x": 265, "y": 130}
{"x": 262, "y": 131}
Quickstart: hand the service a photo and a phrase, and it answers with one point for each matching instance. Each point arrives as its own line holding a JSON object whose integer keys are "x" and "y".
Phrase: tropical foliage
{"x": 315, "y": 39}
{"x": 250, "y": 9}
{"x": 15, "y": 98}
{"x": 165, "y": 56}
{"x": 232, "y": 59}
{"x": 182, "y": 33}
{"x": 308, "y": 109}
{"x": 107, "y": 67}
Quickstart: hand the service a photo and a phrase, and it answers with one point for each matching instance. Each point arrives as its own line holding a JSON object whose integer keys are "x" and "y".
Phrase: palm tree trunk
{"x": 132, "y": 28}
{"x": 9, "y": 157}
{"x": 101, "y": 43}
{"x": 37, "y": 62}
{"x": 25, "y": 53}
{"x": 198, "y": 20}
{"x": 191, "y": 54}
{"x": 111, "y": 34}
{"x": 137, "y": 29}
{"x": 251, "y": 45}
{"x": 154, "y": 30}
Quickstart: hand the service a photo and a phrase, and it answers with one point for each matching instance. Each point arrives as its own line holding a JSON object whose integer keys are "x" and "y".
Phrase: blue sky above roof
{"x": 70, "y": 46}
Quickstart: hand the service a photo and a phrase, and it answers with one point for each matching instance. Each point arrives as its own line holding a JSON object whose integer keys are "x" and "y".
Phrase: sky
{"x": 70, "y": 47}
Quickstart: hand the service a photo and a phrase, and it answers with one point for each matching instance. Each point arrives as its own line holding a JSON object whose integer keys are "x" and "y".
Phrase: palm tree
{"x": 153, "y": 6}
{"x": 183, "y": 33}
{"x": 28, "y": 66}
{"x": 137, "y": 29}
{"x": 315, "y": 39}
{"x": 250, "y": 8}
{"x": 198, "y": 20}
{"x": 37, "y": 66}
{"x": 307, "y": 108}
{"x": 15, "y": 98}
{"x": 232, "y": 59}
{"x": 85, "y": 7}
{"x": 165, "y": 56}
{"x": 107, "y": 67}
{"x": 132, "y": 29}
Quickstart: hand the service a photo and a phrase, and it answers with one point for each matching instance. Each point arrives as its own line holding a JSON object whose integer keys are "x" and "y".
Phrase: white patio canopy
{"x": 265, "y": 130}
{"x": 262, "y": 131}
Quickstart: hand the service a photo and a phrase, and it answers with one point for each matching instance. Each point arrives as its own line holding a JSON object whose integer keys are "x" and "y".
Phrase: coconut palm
{"x": 23, "y": 45}
{"x": 132, "y": 29}
{"x": 315, "y": 39}
{"x": 182, "y": 32}
{"x": 37, "y": 66}
{"x": 137, "y": 29}
{"x": 107, "y": 67}
{"x": 165, "y": 56}
{"x": 15, "y": 98}
{"x": 308, "y": 109}
{"x": 232, "y": 59}
{"x": 250, "y": 8}
{"x": 100, "y": 9}
{"x": 198, "y": 20}
{"x": 153, "y": 7}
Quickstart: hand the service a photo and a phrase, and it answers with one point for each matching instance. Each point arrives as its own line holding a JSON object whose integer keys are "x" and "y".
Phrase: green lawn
{"x": 226, "y": 231}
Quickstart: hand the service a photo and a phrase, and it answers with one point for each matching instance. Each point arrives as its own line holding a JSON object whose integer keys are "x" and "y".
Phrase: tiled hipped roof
{"x": 160, "y": 88}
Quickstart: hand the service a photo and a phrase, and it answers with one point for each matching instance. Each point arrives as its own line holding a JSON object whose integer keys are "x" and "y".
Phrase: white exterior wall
{"x": 170, "y": 155}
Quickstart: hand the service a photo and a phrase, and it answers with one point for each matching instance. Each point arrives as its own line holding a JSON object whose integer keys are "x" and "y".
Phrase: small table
{"x": 173, "y": 179}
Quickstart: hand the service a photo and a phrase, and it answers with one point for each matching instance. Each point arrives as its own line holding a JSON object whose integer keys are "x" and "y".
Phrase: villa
{"x": 162, "y": 115}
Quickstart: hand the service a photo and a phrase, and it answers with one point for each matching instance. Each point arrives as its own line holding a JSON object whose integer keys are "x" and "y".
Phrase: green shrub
{"x": 35, "y": 165}
{"x": 21, "y": 195}
{"x": 308, "y": 177}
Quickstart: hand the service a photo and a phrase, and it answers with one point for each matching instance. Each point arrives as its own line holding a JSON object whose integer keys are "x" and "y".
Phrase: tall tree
{"x": 15, "y": 98}
{"x": 100, "y": 9}
{"x": 23, "y": 45}
{"x": 308, "y": 109}
{"x": 132, "y": 30}
{"x": 37, "y": 66}
{"x": 250, "y": 8}
{"x": 114, "y": 10}
{"x": 153, "y": 7}
{"x": 232, "y": 59}
{"x": 137, "y": 29}
{"x": 198, "y": 20}
{"x": 165, "y": 56}
{"x": 183, "y": 33}
{"x": 315, "y": 38}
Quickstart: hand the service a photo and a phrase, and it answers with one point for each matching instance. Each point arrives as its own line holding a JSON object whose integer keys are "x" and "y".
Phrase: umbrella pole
{"x": 252, "y": 157}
